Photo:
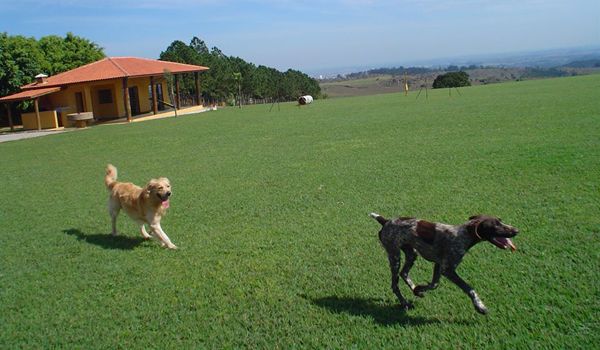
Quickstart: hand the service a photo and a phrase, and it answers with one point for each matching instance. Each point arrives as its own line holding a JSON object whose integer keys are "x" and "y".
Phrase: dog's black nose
{"x": 168, "y": 193}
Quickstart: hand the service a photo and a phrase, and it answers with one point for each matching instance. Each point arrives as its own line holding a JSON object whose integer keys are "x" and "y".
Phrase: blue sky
{"x": 309, "y": 35}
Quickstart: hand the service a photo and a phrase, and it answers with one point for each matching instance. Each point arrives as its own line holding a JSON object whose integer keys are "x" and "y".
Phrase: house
{"x": 111, "y": 88}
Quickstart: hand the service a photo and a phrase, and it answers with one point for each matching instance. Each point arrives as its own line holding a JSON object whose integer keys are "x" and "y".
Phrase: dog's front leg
{"x": 435, "y": 280}
{"x": 144, "y": 233}
{"x": 158, "y": 232}
{"x": 454, "y": 277}
{"x": 394, "y": 260}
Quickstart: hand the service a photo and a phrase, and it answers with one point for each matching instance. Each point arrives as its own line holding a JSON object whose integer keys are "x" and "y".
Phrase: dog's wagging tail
{"x": 111, "y": 176}
{"x": 380, "y": 219}
{"x": 444, "y": 245}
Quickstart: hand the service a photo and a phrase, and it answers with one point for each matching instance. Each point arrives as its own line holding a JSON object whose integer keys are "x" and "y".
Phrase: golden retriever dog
{"x": 144, "y": 205}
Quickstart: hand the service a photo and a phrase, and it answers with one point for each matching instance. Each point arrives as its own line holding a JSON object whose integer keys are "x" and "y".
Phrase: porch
{"x": 19, "y": 133}
{"x": 166, "y": 114}
{"x": 109, "y": 90}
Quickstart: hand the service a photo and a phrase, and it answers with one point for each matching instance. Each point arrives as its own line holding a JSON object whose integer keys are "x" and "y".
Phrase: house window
{"x": 105, "y": 96}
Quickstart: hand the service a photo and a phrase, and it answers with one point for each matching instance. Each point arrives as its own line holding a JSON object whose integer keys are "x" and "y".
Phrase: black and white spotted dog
{"x": 444, "y": 245}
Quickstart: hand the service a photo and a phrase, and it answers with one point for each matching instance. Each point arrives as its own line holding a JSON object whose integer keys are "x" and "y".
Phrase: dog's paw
{"x": 479, "y": 306}
{"x": 406, "y": 305}
{"x": 420, "y": 291}
{"x": 172, "y": 246}
{"x": 481, "y": 309}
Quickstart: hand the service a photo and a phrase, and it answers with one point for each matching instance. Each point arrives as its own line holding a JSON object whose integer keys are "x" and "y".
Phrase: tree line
{"x": 231, "y": 79}
{"x": 22, "y": 58}
{"x": 522, "y": 72}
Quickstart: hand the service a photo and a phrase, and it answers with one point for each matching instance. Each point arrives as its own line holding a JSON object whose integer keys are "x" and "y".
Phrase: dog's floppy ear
{"x": 150, "y": 186}
{"x": 475, "y": 217}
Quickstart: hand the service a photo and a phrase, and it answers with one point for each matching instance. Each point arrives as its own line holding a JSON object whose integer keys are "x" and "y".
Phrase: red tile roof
{"x": 115, "y": 67}
{"x": 29, "y": 94}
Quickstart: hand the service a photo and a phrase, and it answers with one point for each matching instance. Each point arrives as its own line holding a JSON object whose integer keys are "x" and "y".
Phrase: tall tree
{"x": 199, "y": 46}
{"x": 66, "y": 53}
{"x": 22, "y": 58}
{"x": 20, "y": 61}
{"x": 80, "y": 51}
{"x": 222, "y": 81}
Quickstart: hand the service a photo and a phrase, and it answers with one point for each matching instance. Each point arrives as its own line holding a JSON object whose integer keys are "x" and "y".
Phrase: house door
{"x": 79, "y": 102}
{"x": 134, "y": 100}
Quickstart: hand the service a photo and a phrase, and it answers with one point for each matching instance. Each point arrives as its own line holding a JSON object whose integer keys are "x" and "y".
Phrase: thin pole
{"x": 154, "y": 99}
{"x": 10, "y": 121}
{"x": 126, "y": 101}
{"x": 37, "y": 114}
{"x": 197, "y": 77}
{"x": 177, "y": 101}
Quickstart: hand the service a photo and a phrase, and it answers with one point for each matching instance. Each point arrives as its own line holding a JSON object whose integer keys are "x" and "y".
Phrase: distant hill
{"x": 540, "y": 59}
{"x": 391, "y": 80}
{"x": 481, "y": 70}
{"x": 591, "y": 63}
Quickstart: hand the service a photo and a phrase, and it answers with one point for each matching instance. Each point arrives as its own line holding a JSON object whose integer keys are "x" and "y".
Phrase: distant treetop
{"x": 22, "y": 58}
{"x": 451, "y": 79}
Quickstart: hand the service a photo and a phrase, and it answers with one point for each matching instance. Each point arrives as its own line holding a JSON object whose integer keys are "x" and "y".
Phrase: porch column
{"x": 37, "y": 114}
{"x": 154, "y": 100}
{"x": 177, "y": 101}
{"x": 10, "y": 121}
{"x": 197, "y": 76}
{"x": 126, "y": 99}
{"x": 88, "y": 105}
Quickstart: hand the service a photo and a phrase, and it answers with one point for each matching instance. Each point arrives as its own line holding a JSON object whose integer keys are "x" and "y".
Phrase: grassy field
{"x": 275, "y": 246}
{"x": 386, "y": 83}
{"x": 362, "y": 87}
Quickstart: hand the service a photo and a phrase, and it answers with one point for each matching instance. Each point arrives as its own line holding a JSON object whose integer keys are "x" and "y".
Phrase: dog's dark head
{"x": 492, "y": 229}
{"x": 159, "y": 188}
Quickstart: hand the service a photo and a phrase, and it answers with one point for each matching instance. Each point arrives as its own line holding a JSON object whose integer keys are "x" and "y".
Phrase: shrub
{"x": 452, "y": 79}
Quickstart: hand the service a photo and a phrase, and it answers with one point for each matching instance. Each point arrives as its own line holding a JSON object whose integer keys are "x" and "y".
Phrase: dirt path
{"x": 13, "y": 136}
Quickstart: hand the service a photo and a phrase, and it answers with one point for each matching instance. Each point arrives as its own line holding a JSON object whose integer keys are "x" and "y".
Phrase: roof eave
{"x": 48, "y": 85}
{"x": 11, "y": 98}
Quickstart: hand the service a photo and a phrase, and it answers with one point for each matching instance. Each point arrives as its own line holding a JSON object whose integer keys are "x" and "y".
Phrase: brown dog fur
{"x": 144, "y": 205}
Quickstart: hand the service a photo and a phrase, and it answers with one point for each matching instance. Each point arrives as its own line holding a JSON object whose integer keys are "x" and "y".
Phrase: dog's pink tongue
{"x": 165, "y": 204}
{"x": 504, "y": 243}
{"x": 512, "y": 246}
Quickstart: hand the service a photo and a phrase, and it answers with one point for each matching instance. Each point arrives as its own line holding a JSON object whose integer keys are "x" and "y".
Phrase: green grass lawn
{"x": 275, "y": 246}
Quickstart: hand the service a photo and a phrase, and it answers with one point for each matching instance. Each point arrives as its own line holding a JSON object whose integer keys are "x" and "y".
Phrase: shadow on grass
{"x": 385, "y": 315}
{"x": 105, "y": 240}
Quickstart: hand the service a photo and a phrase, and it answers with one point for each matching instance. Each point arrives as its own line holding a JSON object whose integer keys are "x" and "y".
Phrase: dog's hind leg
{"x": 435, "y": 280}
{"x": 394, "y": 259}
{"x": 410, "y": 256}
{"x": 113, "y": 209}
{"x": 454, "y": 277}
